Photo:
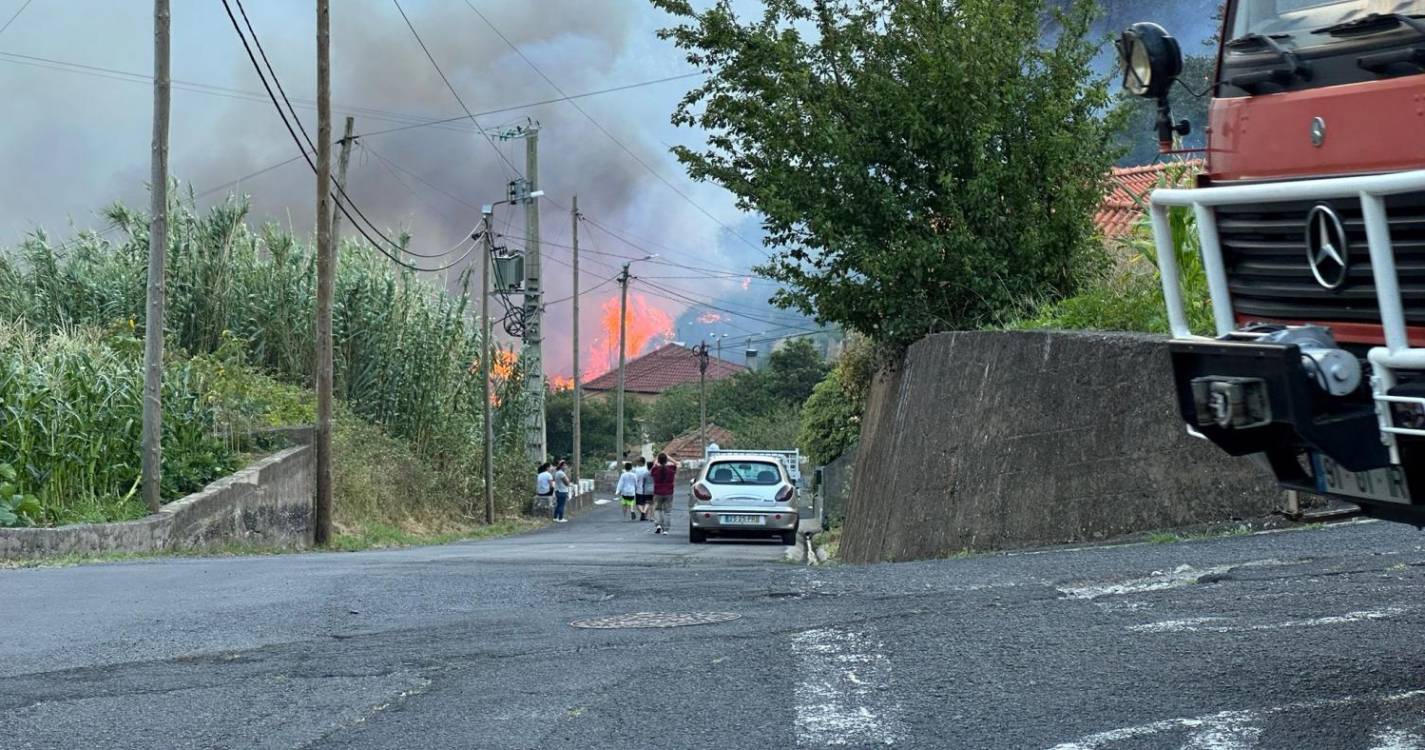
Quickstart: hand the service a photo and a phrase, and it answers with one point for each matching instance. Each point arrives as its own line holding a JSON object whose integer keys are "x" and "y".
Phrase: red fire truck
{"x": 1311, "y": 219}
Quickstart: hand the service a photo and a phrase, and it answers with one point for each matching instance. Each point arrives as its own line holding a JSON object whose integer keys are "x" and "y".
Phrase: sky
{"x": 74, "y": 139}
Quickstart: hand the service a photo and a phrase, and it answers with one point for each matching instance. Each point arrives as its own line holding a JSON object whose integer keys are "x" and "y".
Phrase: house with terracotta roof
{"x": 670, "y": 365}
{"x": 1127, "y": 200}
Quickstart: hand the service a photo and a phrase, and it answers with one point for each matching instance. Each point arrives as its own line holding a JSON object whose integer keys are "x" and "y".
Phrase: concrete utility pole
{"x": 486, "y": 353}
{"x": 152, "y": 432}
{"x": 346, "y": 140}
{"x": 532, "y": 358}
{"x": 702, "y": 351}
{"x": 578, "y": 397}
{"x": 622, "y": 334}
{"x": 326, "y": 273}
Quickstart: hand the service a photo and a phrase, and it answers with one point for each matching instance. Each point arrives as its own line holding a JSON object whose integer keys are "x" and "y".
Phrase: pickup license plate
{"x": 1382, "y": 485}
{"x": 743, "y": 520}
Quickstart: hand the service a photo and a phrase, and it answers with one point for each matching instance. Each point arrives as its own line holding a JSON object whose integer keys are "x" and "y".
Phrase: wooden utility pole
{"x": 622, "y": 326}
{"x": 326, "y": 272}
{"x": 486, "y": 353}
{"x": 346, "y": 140}
{"x": 578, "y": 397}
{"x": 152, "y": 433}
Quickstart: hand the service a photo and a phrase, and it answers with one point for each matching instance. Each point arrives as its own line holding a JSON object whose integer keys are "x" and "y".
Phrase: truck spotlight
{"x": 1151, "y": 60}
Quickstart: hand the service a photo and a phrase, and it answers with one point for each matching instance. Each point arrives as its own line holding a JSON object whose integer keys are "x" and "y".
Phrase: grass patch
{"x": 830, "y": 541}
{"x": 382, "y": 536}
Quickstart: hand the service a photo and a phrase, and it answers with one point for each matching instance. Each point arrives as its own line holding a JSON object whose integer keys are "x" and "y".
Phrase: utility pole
{"x": 346, "y": 140}
{"x": 578, "y": 397}
{"x": 486, "y": 353}
{"x": 532, "y": 358}
{"x": 152, "y": 431}
{"x": 622, "y": 326}
{"x": 702, "y": 351}
{"x": 326, "y": 272}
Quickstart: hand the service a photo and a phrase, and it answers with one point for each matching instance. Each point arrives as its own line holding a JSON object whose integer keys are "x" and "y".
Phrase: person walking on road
{"x": 645, "y": 488}
{"x": 627, "y": 490}
{"x": 561, "y": 491}
{"x": 665, "y": 477}
{"x": 543, "y": 486}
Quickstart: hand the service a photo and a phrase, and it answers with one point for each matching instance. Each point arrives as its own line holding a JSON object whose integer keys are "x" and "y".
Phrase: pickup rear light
{"x": 701, "y": 492}
{"x": 785, "y": 495}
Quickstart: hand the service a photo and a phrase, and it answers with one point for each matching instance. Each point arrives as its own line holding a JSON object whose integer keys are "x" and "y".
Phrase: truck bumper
{"x": 1252, "y": 398}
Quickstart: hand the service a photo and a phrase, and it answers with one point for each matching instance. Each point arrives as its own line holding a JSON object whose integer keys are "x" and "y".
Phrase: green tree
{"x": 918, "y": 164}
{"x": 794, "y": 370}
{"x": 597, "y": 424}
{"x": 831, "y": 422}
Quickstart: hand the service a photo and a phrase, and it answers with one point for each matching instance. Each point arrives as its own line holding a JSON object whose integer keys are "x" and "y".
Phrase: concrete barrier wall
{"x": 985, "y": 440}
{"x": 269, "y": 503}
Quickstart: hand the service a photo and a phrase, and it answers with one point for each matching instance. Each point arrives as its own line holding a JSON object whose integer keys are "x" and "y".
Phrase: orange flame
{"x": 645, "y": 324}
{"x": 559, "y": 383}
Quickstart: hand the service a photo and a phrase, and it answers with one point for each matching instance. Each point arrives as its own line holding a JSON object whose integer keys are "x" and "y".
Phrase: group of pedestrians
{"x": 646, "y": 488}
{"x": 553, "y": 480}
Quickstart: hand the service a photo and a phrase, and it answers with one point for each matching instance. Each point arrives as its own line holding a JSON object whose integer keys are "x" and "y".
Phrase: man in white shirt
{"x": 627, "y": 490}
{"x": 544, "y": 488}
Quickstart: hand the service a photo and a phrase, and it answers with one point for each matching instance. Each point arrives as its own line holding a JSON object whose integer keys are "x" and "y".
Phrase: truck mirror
{"x": 1151, "y": 60}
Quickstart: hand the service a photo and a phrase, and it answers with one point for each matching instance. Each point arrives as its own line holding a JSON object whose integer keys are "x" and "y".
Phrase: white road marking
{"x": 1239, "y": 730}
{"x": 1202, "y": 624}
{"x": 1390, "y": 738}
{"x": 843, "y": 689}
{"x": 1158, "y": 580}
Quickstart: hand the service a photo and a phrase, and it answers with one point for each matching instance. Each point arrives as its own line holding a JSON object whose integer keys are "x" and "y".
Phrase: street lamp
{"x": 622, "y": 334}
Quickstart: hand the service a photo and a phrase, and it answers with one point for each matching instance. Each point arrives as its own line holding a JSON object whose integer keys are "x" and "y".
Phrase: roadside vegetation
{"x": 240, "y": 337}
{"x": 761, "y": 408}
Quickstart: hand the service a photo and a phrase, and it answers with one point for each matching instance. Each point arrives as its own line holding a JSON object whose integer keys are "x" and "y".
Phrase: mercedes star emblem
{"x": 1318, "y": 131}
{"x": 1327, "y": 251}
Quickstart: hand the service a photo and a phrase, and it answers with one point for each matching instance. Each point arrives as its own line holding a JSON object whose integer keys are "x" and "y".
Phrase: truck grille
{"x": 1264, "y": 248}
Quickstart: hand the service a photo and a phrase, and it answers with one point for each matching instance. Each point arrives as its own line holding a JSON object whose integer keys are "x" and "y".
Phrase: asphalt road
{"x": 1304, "y": 639}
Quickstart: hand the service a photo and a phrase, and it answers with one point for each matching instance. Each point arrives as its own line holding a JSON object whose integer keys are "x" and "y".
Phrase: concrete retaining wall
{"x": 268, "y": 503}
{"x": 997, "y": 440}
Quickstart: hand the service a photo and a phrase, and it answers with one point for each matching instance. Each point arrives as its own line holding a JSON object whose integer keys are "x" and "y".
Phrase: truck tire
{"x": 696, "y": 536}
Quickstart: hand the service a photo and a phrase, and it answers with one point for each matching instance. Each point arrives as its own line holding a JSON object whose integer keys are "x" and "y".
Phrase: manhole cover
{"x": 656, "y": 620}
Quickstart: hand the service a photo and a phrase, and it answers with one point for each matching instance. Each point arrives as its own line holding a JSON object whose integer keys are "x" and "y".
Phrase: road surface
{"x": 1303, "y": 639}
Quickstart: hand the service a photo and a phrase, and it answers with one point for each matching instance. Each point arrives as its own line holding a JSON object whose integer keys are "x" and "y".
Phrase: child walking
{"x": 627, "y": 490}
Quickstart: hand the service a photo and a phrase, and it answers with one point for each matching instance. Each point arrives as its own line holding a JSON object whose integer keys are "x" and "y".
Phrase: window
{"x": 760, "y": 473}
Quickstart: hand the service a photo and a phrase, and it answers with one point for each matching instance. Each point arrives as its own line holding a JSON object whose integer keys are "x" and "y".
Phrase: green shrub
{"x": 73, "y": 415}
{"x": 1128, "y": 295}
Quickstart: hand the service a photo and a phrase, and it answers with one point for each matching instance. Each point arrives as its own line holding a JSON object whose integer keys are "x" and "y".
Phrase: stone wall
{"x": 987, "y": 440}
{"x": 269, "y": 503}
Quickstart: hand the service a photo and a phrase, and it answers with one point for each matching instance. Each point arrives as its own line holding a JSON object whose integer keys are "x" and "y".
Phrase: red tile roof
{"x": 663, "y": 368}
{"x": 689, "y": 447}
{"x": 1128, "y": 200}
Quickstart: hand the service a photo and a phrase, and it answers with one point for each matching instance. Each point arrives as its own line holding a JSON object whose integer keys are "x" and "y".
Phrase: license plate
{"x": 1383, "y": 485}
{"x": 744, "y": 520}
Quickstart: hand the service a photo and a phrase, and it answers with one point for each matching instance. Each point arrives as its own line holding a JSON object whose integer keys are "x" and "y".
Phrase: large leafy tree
{"x": 918, "y": 164}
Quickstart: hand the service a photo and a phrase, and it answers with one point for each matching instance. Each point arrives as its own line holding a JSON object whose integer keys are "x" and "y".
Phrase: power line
{"x": 453, "y": 92}
{"x": 608, "y": 134}
{"x": 298, "y": 140}
{"x": 17, "y": 15}
{"x": 676, "y": 297}
{"x": 542, "y": 102}
{"x": 115, "y": 74}
{"x": 248, "y": 176}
